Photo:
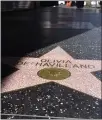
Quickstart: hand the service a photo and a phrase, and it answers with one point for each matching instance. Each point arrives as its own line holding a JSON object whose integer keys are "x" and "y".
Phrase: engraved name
{"x": 56, "y": 63}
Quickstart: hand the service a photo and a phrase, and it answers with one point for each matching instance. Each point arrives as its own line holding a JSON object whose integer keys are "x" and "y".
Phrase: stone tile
{"x": 51, "y": 99}
{"x": 84, "y": 46}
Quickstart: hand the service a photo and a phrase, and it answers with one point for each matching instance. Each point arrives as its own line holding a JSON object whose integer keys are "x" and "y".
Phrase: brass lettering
{"x": 43, "y": 60}
{"x": 46, "y": 64}
{"x": 60, "y": 65}
{"x": 57, "y": 65}
{"x": 58, "y": 61}
{"x": 68, "y": 61}
{"x": 25, "y": 63}
{"x": 51, "y": 64}
{"x": 91, "y": 66}
{"x": 63, "y": 61}
{"x": 68, "y": 65}
{"x": 83, "y": 66}
{"x": 38, "y": 64}
{"x": 51, "y": 61}
{"x": 75, "y": 66}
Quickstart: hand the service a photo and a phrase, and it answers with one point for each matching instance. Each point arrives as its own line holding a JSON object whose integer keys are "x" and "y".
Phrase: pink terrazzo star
{"x": 81, "y": 78}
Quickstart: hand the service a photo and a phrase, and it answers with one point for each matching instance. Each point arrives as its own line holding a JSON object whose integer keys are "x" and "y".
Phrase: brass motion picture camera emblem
{"x": 54, "y": 73}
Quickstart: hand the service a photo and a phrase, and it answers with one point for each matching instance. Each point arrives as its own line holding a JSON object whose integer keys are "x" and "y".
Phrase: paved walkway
{"x": 51, "y": 38}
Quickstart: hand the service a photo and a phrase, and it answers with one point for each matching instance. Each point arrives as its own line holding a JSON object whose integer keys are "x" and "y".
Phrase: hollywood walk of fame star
{"x": 81, "y": 79}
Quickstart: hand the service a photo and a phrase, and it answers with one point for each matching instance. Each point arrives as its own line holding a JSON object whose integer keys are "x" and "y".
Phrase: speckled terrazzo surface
{"x": 80, "y": 41}
{"x": 84, "y": 46}
{"x": 51, "y": 100}
{"x": 98, "y": 74}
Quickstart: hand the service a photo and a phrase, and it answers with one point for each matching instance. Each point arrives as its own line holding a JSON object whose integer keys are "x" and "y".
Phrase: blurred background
{"x": 18, "y": 5}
